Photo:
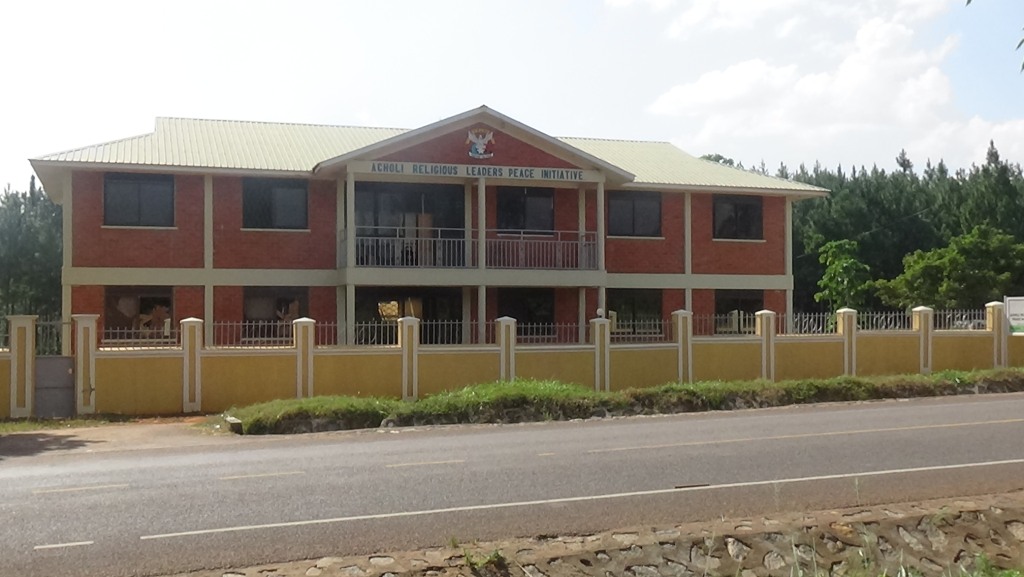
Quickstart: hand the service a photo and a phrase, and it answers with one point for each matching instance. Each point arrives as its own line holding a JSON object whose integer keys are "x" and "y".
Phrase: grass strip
{"x": 540, "y": 400}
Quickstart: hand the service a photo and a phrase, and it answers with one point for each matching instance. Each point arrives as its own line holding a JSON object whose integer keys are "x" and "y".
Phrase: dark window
{"x": 526, "y": 209}
{"x": 635, "y": 306}
{"x": 738, "y": 217}
{"x": 734, "y": 310}
{"x": 133, "y": 313}
{"x": 138, "y": 200}
{"x": 274, "y": 203}
{"x": 634, "y": 213}
{"x": 744, "y": 301}
{"x": 533, "y": 309}
{"x": 269, "y": 311}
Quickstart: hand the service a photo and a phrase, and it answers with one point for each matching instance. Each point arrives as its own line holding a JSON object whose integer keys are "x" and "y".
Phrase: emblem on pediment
{"x": 478, "y": 140}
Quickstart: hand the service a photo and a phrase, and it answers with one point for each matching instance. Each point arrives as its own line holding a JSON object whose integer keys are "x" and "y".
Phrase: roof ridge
{"x": 771, "y": 176}
{"x": 636, "y": 140}
{"x": 107, "y": 143}
{"x": 277, "y": 123}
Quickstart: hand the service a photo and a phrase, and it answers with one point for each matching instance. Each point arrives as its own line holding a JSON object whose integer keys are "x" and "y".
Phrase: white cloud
{"x": 875, "y": 90}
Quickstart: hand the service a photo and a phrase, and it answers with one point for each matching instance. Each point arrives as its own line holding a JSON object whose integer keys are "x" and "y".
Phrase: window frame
{"x": 264, "y": 191}
{"x": 632, "y": 199}
{"x": 137, "y": 182}
{"x": 521, "y": 214}
{"x": 752, "y": 231}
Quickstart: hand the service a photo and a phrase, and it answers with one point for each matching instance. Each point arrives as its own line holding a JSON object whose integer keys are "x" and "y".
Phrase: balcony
{"x": 407, "y": 247}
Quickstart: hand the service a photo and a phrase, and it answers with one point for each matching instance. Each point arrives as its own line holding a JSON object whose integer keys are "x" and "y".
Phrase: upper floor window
{"x": 526, "y": 209}
{"x": 739, "y": 217}
{"x": 138, "y": 200}
{"x": 274, "y": 203}
{"x": 634, "y": 213}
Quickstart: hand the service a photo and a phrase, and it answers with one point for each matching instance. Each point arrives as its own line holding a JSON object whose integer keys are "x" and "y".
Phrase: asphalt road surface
{"x": 153, "y": 511}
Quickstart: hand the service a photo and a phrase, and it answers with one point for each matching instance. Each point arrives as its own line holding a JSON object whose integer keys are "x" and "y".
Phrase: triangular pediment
{"x": 480, "y": 137}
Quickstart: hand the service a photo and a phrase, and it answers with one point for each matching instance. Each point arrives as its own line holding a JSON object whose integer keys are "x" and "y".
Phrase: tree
{"x": 975, "y": 268}
{"x": 30, "y": 253}
{"x": 718, "y": 158}
{"x": 846, "y": 281}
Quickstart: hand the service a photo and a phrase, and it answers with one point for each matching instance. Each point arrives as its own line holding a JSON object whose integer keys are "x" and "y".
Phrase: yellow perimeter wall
{"x": 802, "y": 358}
{"x": 139, "y": 385}
{"x": 369, "y": 374}
{"x": 446, "y": 371}
{"x": 566, "y": 365}
{"x": 1015, "y": 350}
{"x": 891, "y": 354}
{"x": 632, "y": 367}
{"x": 964, "y": 351}
{"x": 724, "y": 360}
{"x": 5, "y": 387}
{"x": 239, "y": 380}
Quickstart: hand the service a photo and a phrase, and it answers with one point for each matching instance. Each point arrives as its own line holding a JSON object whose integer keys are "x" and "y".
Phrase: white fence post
{"x": 304, "y": 333}
{"x": 995, "y": 323}
{"x": 601, "y": 330}
{"x": 409, "y": 339}
{"x": 922, "y": 321}
{"x": 764, "y": 327}
{"x": 192, "y": 370}
{"x": 22, "y": 335}
{"x": 85, "y": 363}
{"x": 846, "y": 327}
{"x": 682, "y": 326}
{"x": 507, "y": 344}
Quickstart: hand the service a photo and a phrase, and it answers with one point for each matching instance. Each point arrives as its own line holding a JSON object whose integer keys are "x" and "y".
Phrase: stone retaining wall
{"x": 932, "y": 537}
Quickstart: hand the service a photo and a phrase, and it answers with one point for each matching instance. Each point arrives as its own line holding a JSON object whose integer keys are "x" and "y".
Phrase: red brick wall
{"x": 739, "y": 257}
{"x": 776, "y": 301}
{"x": 672, "y": 300}
{"x": 451, "y": 148}
{"x": 323, "y": 304}
{"x": 227, "y": 304}
{"x": 286, "y": 249}
{"x": 645, "y": 255}
{"x": 188, "y": 301}
{"x": 97, "y": 246}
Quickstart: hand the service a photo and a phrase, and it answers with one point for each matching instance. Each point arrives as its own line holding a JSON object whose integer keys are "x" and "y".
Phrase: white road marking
{"x": 570, "y": 500}
{"x": 545, "y": 454}
{"x": 259, "y": 475}
{"x": 806, "y": 435}
{"x": 61, "y": 545}
{"x": 72, "y": 489}
{"x": 451, "y": 462}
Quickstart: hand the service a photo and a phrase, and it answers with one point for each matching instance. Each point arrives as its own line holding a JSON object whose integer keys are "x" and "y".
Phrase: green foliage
{"x": 893, "y": 214}
{"x": 975, "y": 268}
{"x": 30, "y": 253}
{"x": 531, "y": 400}
{"x": 846, "y": 281}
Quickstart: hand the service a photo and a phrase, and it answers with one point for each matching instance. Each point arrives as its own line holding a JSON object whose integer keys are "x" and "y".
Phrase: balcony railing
{"x": 407, "y": 247}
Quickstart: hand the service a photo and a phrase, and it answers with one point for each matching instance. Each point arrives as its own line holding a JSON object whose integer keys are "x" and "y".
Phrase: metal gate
{"x": 54, "y": 374}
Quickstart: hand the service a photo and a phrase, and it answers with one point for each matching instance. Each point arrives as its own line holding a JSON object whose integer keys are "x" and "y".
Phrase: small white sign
{"x": 1015, "y": 314}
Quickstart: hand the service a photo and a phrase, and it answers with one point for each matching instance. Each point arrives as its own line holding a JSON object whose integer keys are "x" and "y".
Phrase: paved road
{"x": 254, "y": 500}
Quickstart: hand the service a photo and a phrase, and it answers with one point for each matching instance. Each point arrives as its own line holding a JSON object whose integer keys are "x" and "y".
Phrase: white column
{"x": 409, "y": 339}
{"x": 85, "y": 363}
{"x": 922, "y": 320}
{"x": 601, "y": 329}
{"x": 208, "y": 222}
{"x": 682, "y": 323}
{"x": 764, "y": 327}
{"x": 350, "y": 219}
{"x": 467, "y": 315}
{"x": 688, "y": 237}
{"x": 600, "y": 226}
{"x": 66, "y": 240}
{"x": 304, "y": 338}
{"x": 506, "y": 327}
{"x": 602, "y": 300}
{"x": 995, "y": 323}
{"x": 846, "y": 326}
{"x": 350, "y": 314}
{"x": 467, "y": 224}
{"x": 192, "y": 378}
{"x": 582, "y": 316}
{"x": 481, "y": 314}
{"x": 208, "y": 314}
{"x": 22, "y": 339}
{"x": 481, "y": 223}
{"x": 789, "y": 265}
{"x": 339, "y": 222}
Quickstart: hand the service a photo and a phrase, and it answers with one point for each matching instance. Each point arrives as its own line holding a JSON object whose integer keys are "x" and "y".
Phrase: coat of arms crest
{"x": 478, "y": 140}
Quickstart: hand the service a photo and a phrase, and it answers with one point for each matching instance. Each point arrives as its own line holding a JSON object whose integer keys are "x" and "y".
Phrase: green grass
{"x": 28, "y": 425}
{"x": 538, "y": 400}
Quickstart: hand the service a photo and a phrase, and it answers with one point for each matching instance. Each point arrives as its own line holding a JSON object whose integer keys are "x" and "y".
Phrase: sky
{"x": 848, "y": 82}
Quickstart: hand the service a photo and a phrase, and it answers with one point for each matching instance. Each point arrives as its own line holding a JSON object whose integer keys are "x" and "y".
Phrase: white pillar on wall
{"x": 601, "y": 228}
{"x": 481, "y": 314}
{"x": 192, "y": 371}
{"x": 85, "y": 363}
{"x": 481, "y": 223}
{"x": 350, "y": 219}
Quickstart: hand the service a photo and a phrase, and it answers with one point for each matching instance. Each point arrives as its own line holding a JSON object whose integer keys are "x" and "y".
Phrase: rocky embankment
{"x": 931, "y": 537}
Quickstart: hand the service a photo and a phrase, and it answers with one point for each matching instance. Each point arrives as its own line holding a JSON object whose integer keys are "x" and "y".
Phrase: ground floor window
{"x": 379, "y": 308}
{"x": 134, "y": 313}
{"x": 734, "y": 310}
{"x": 635, "y": 310}
{"x": 533, "y": 309}
{"x": 269, "y": 311}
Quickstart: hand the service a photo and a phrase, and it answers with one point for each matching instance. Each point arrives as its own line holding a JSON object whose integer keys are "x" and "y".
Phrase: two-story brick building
{"x": 477, "y": 216}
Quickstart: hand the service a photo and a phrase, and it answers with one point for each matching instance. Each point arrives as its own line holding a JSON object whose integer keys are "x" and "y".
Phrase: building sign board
{"x": 427, "y": 169}
{"x": 1015, "y": 314}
